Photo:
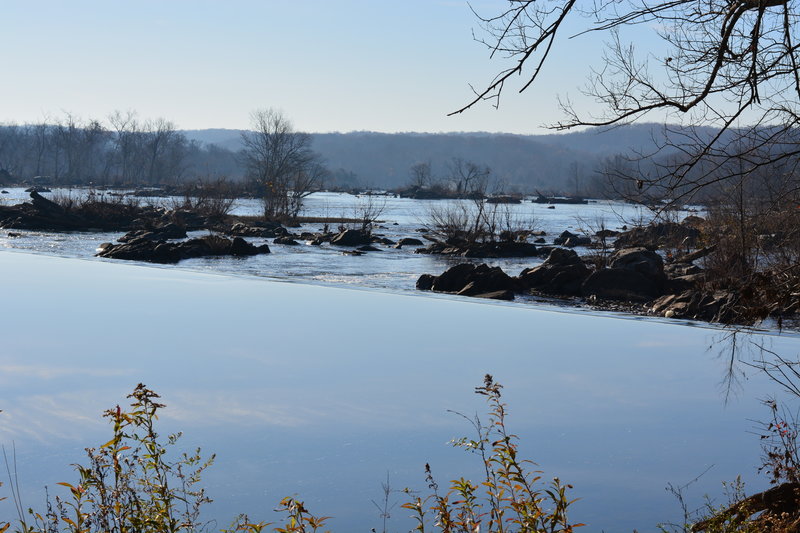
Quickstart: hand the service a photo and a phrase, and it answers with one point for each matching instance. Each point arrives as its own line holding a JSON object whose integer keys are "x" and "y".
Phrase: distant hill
{"x": 558, "y": 162}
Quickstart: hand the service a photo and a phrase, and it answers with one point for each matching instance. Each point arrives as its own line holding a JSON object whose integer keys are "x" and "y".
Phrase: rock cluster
{"x": 145, "y": 248}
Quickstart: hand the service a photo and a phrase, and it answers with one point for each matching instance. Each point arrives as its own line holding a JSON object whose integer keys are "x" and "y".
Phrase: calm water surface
{"x": 320, "y": 391}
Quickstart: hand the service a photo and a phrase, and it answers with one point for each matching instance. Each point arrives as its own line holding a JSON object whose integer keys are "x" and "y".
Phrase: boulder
{"x": 351, "y": 237}
{"x": 620, "y": 284}
{"x": 467, "y": 279}
{"x": 285, "y": 240}
{"x": 578, "y": 240}
{"x": 640, "y": 260}
{"x": 564, "y": 237}
{"x": 562, "y": 273}
{"x": 241, "y": 247}
{"x": 408, "y": 241}
{"x": 425, "y": 282}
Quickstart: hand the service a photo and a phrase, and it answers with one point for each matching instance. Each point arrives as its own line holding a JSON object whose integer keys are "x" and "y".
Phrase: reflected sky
{"x": 320, "y": 391}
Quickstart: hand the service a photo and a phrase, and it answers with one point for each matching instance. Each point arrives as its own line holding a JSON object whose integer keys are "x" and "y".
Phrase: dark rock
{"x": 606, "y": 233}
{"x": 285, "y": 240}
{"x": 469, "y": 280}
{"x": 540, "y": 240}
{"x": 716, "y": 306}
{"x": 352, "y": 252}
{"x": 43, "y": 214}
{"x": 143, "y": 249}
{"x": 579, "y": 240}
{"x": 241, "y": 247}
{"x": 482, "y": 249}
{"x": 14, "y": 235}
{"x": 681, "y": 284}
{"x": 243, "y": 230}
{"x": 425, "y": 282}
{"x": 368, "y": 248}
{"x": 640, "y": 260}
{"x": 620, "y": 284}
{"x": 562, "y": 273}
{"x": 408, "y": 241}
{"x": 351, "y": 237}
{"x": 454, "y": 278}
{"x": 167, "y": 231}
{"x": 383, "y": 240}
{"x": 564, "y": 237}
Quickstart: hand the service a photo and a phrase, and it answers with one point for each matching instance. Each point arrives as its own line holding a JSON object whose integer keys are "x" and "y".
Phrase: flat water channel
{"x": 321, "y": 391}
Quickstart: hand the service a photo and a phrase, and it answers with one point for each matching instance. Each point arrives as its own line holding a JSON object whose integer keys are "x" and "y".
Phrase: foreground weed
{"x": 511, "y": 497}
{"x": 131, "y": 483}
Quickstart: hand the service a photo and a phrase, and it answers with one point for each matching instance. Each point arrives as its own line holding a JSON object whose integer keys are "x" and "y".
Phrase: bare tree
{"x": 724, "y": 61}
{"x": 127, "y": 160}
{"x": 470, "y": 179}
{"x": 164, "y": 150}
{"x": 279, "y": 160}
{"x": 421, "y": 175}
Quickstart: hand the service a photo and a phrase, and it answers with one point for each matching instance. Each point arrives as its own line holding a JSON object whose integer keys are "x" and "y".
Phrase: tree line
{"x": 123, "y": 150}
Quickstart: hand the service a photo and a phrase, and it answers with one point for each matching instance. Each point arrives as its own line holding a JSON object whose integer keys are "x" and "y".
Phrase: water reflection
{"x": 319, "y": 391}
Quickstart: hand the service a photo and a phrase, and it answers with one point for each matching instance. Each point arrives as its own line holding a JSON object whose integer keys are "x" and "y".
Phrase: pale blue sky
{"x": 331, "y": 65}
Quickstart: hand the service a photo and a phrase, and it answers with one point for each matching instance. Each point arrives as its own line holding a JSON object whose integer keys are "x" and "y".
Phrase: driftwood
{"x": 697, "y": 254}
{"x": 777, "y": 501}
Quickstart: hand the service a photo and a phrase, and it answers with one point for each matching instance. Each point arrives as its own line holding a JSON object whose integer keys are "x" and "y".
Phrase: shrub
{"x": 512, "y": 496}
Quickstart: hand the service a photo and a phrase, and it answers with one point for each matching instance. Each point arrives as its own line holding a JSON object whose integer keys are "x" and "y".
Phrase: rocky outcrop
{"x": 46, "y": 215}
{"x": 562, "y": 273}
{"x": 467, "y": 279}
{"x": 155, "y": 251}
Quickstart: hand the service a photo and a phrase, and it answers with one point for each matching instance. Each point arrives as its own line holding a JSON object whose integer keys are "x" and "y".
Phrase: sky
{"x": 329, "y": 65}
